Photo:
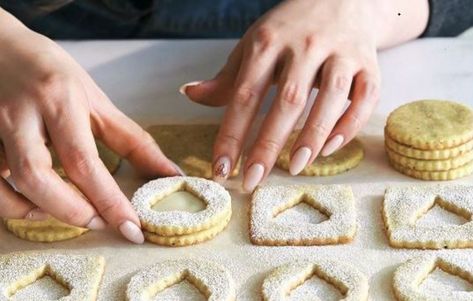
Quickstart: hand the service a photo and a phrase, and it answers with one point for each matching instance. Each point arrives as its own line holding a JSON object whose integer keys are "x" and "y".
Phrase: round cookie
{"x": 211, "y": 279}
{"x": 445, "y": 175}
{"x": 108, "y": 157}
{"x": 431, "y": 124}
{"x": 433, "y": 154}
{"x": 429, "y": 165}
{"x": 48, "y": 230}
{"x": 173, "y": 223}
{"x": 342, "y": 160}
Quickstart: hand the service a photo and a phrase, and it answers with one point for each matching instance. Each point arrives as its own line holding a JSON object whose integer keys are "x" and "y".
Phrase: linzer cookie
{"x": 404, "y": 205}
{"x": 431, "y": 140}
{"x": 342, "y": 160}
{"x": 431, "y": 124}
{"x": 351, "y": 283}
{"x": 335, "y": 201}
{"x": 212, "y": 280}
{"x": 179, "y": 228}
{"x": 81, "y": 275}
{"x": 190, "y": 146}
{"x": 409, "y": 274}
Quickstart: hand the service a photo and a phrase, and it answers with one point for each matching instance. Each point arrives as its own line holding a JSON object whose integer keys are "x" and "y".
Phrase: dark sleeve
{"x": 449, "y": 18}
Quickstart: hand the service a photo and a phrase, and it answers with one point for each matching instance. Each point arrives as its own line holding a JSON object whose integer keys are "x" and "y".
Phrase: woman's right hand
{"x": 47, "y": 98}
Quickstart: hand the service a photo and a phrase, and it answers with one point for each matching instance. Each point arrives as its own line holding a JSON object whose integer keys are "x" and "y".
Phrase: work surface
{"x": 142, "y": 78}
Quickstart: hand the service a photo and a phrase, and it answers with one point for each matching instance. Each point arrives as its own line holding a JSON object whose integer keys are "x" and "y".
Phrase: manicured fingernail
{"x": 183, "y": 88}
{"x": 332, "y": 145}
{"x": 132, "y": 232}
{"x": 178, "y": 169}
{"x": 299, "y": 160}
{"x": 253, "y": 176}
{"x": 96, "y": 223}
{"x": 36, "y": 214}
{"x": 222, "y": 168}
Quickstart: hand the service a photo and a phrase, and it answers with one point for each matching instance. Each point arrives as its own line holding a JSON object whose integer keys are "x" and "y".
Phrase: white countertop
{"x": 142, "y": 78}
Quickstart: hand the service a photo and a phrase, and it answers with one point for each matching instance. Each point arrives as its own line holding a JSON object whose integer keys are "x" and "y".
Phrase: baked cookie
{"x": 190, "y": 146}
{"x": 108, "y": 157}
{"x": 404, "y": 205}
{"x": 433, "y": 154}
{"x": 212, "y": 280}
{"x": 81, "y": 275}
{"x": 429, "y": 165}
{"x": 335, "y": 201}
{"x": 410, "y": 274}
{"x": 431, "y": 124}
{"x": 342, "y": 160}
{"x": 282, "y": 280}
{"x": 182, "y": 227}
{"x": 49, "y": 230}
{"x": 442, "y": 175}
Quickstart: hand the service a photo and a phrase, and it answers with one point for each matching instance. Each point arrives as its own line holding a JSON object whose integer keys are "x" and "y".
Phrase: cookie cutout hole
{"x": 39, "y": 285}
{"x": 181, "y": 199}
{"x": 302, "y": 210}
{"x": 441, "y": 278}
{"x": 442, "y": 213}
{"x": 182, "y": 287}
{"x": 314, "y": 287}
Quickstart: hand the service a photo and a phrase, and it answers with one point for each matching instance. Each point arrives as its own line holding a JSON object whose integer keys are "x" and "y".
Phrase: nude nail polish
{"x": 182, "y": 89}
{"x": 253, "y": 177}
{"x": 132, "y": 232}
{"x": 221, "y": 168}
{"x": 96, "y": 223}
{"x": 299, "y": 160}
{"x": 332, "y": 145}
{"x": 36, "y": 214}
{"x": 178, "y": 169}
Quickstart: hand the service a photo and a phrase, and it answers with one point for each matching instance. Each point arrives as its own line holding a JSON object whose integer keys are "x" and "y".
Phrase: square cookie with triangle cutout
{"x": 404, "y": 206}
{"x": 334, "y": 201}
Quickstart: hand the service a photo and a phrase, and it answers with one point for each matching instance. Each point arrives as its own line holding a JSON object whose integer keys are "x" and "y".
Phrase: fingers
{"x": 216, "y": 92}
{"x": 30, "y": 164}
{"x": 132, "y": 142}
{"x": 250, "y": 87}
{"x": 295, "y": 84}
{"x": 69, "y": 130}
{"x": 337, "y": 75}
{"x": 365, "y": 96}
{"x": 13, "y": 204}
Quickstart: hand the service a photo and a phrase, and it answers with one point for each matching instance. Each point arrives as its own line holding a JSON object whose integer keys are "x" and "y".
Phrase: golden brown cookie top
{"x": 431, "y": 124}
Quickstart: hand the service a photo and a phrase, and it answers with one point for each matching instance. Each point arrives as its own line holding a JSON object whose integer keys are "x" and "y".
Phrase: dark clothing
{"x": 123, "y": 19}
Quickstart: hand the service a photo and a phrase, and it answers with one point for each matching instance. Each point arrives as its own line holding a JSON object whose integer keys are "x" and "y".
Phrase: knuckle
{"x": 50, "y": 87}
{"x": 108, "y": 206}
{"x": 292, "y": 96}
{"x": 269, "y": 145}
{"x": 229, "y": 139}
{"x": 355, "y": 121}
{"x": 310, "y": 42}
{"x": 244, "y": 96}
{"x": 28, "y": 178}
{"x": 74, "y": 216}
{"x": 338, "y": 83}
{"x": 140, "y": 140}
{"x": 316, "y": 129}
{"x": 371, "y": 90}
{"x": 81, "y": 164}
{"x": 264, "y": 36}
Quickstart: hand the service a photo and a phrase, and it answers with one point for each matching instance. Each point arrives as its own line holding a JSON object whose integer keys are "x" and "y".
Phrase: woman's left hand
{"x": 297, "y": 45}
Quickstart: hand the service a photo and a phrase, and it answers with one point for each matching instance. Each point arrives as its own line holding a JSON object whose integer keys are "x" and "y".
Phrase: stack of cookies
{"x": 431, "y": 140}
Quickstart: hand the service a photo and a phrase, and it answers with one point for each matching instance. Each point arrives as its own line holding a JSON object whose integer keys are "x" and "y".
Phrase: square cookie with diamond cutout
{"x": 334, "y": 201}
{"x": 405, "y": 205}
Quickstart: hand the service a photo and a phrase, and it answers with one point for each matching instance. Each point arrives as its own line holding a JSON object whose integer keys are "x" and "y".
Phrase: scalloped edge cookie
{"x": 336, "y": 201}
{"x": 439, "y": 154}
{"x": 341, "y": 161}
{"x": 211, "y": 279}
{"x": 431, "y": 124}
{"x": 172, "y": 223}
{"x": 429, "y": 165}
{"x": 188, "y": 239}
{"x": 445, "y": 175}
{"x": 404, "y": 205}
{"x": 411, "y": 273}
{"x": 49, "y": 230}
{"x": 283, "y": 279}
{"x": 80, "y": 274}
